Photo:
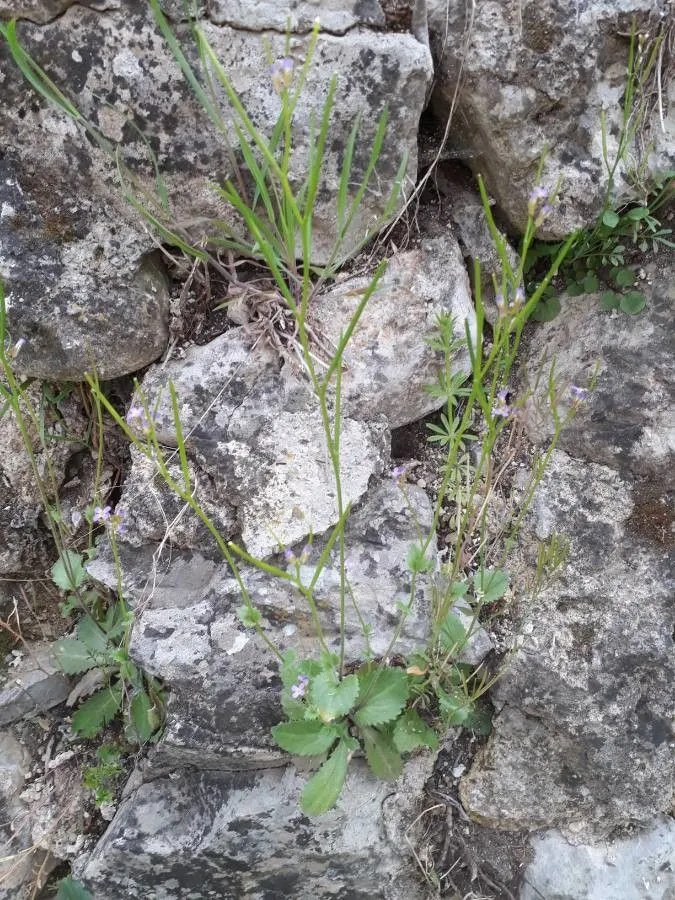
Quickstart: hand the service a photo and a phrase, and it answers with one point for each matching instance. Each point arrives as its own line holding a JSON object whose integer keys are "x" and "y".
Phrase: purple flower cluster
{"x": 398, "y": 474}
{"x": 579, "y": 394}
{"x": 101, "y": 514}
{"x": 293, "y": 559}
{"x": 501, "y": 407}
{"x": 299, "y": 689}
{"x": 137, "y": 417}
{"x": 539, "y": 204}
{"x": 281, "y": 73}
{"x": 105, "y": 515}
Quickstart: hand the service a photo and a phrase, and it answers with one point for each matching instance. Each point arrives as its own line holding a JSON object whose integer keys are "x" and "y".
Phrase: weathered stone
{"x": 536, "y": 76}
{"x": 388, "y": 362}
{"x": 153, "y": 514}
{"x": 640, "y": 867}
{"x": 189, "y": 634}
{"x": 629, "y": 421}
{"x": 16, "y": 860}
{"x": 82, "y": 293}
{"x": 583, "y": 739}
{"x": 32, "y": 686}
{"x": 471, "y": 227}
{"x": 131, "y": 66}
{"x": 256, "y": 429}
{"x": 243, "y": 835}
{"x": 336, "y": 16}
{"x": 42, "y": 11}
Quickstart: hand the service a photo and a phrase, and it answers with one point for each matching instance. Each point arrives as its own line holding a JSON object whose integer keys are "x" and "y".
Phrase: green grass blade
{"x": 180, "y": 440}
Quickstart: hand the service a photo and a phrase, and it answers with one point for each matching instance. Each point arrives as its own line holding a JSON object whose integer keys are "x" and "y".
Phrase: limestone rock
{"x": 535, "y": 76}
{"x": 337, "y": 16}
{"x": 132, "y": 69}
{"x": 638, "y": 867}
{"x": 583, "y": 739}
{"x": 42, "y": 11}
{"x": 388, "y": 360}
{"x": 243, "y": 835}
{"x": 224, "y": 683}
{"x": 629, "y": 420}
{"x": 256, "y": 429}
{"x": 32, "y": 686}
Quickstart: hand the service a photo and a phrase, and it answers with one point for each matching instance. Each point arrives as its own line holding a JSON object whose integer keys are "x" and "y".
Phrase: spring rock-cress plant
{"x": 334, "y": 707}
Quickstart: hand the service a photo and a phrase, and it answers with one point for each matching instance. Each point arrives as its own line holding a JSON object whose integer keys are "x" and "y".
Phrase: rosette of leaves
{"x": 99, "y": 650}
{"x": 332, "y": 718}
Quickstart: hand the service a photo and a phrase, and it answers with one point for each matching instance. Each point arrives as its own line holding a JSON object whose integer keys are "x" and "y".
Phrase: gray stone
{"x": 583, "y": 738}
{"x": 32, "y": 686}
{"x": 256, "y": 429}
{"x": 388, "y": 362}
{"x": 132, "y": 67}
{"x": 154, "y": 515}
{"x": 471, "y": 227}
{"x": 42, "y": 11}
{"x": 639, "y": 867}
{"x": 242, "y": 835}
{"x": 336, "y": 16}
{"x": 83, "y": 293}
{"x": 629, "y": 421}
{"x": 535, "y": 76}
{"x": 16, "y": 861}
{"x": 224, "y": 683}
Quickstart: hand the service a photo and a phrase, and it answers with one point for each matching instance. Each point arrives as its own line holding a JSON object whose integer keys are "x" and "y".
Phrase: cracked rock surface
{"x": 535, "y": 77}
{"x": 83, "y": 286}
{"x": 583, "y": 740}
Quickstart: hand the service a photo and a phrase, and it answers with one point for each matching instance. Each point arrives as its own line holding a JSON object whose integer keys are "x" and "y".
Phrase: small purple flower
{"x": 118, "y": 521}
{"x": 519, "y": 299}
{"x": 579, "y": 394}
{"x": 501, "y": 407}
{"x": 299, "y": 689}
{"x": 281, "y": 73}
{"x": 539, "y": 193}
{"x": 398, "y": 474}
{"x": 501, "y": 303}
{"x": 101, "y": 514}
{"x": 544, "y": 213}
{"x": 539, "y": 204}
{"x": 137, "y": 416}
{"x": 289, "y": 556}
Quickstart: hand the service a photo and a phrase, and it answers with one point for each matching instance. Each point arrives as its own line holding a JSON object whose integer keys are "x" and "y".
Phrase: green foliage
{"x": 69, "y": 889}
{"x": 324, "y": 787}
{"x": 334, "y": 715}
{"x": 102, "y": 633}
{"x": 599, "y": 257}
{"x": 68, "y": 572}
{"x": 101, "y": 643}
{"x": 102, "y": 778}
